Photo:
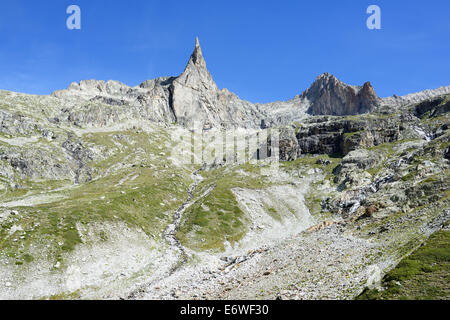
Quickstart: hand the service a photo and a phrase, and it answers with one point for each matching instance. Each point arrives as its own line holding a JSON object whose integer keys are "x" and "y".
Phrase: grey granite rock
{"x": 329, "y": 96}
{"x": 196, "y": 99}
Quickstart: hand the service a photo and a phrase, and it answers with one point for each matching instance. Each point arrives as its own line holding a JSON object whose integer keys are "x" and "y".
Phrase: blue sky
{"x": 261, "y": 50}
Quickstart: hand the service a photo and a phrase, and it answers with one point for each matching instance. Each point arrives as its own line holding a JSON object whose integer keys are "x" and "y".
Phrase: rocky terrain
{"x": 99, "y": 202}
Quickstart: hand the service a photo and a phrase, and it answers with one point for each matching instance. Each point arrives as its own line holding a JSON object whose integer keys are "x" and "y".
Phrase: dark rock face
{"x": 432, "y": 107}
{"x": 330, "y": 135}
{"x": 321, "y": 143}
{"x": 81, "y": 157}
{"x": 338, "y": 135}
{"x": 447, "y": 153}
{"x": 329, "y": 96}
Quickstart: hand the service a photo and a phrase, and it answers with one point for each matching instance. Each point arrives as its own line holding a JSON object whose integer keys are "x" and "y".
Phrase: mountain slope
{"x": 98, "y": 200}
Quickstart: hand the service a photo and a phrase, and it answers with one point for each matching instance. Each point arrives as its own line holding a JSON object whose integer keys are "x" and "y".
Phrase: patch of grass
{"x": 223, "y": 221}
{"x": 65, "y": 296}
{"x": 351, "y": 134}
{"x": 313, "y": 202}
{"x": 409, "y": 176}
{"x": 217, "y": 218}
{"x": 141, "y": 196}
{"x": 274, "y": 213}
{"x": 314, "y": 198}
{"x": 306, "y": 162}
{"x": 27, "y": 258}
{"x": 424, "y": 275}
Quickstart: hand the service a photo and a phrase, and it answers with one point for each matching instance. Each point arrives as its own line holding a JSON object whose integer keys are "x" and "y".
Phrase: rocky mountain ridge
{"x": 194, "y": 97}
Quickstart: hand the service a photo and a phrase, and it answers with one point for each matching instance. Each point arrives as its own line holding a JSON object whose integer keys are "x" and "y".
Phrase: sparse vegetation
{"x": 140, "y": 196}
{"x": 424, "y": 275}
{"x": 217, "y": 218}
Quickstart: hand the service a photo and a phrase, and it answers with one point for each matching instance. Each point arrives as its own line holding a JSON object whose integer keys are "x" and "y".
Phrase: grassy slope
{"x": 217, "y": 218}
{"x": 146, "y": 202}
{"x": 424, "y": 275}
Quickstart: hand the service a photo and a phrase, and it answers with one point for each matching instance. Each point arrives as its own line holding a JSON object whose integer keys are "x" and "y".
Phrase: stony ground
{"x": 424, "y": 275}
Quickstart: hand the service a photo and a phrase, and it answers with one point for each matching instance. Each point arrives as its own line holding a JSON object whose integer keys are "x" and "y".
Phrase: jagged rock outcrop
{"x": 353, "y": 169}
{"x": 37, "y": 164}
{"x": 195, "y": 98}
{"x": 99, "y": 103}
{"x": 432, "y": 107}
{"x": 399, "y": 101}
{"x": 15, "y": 124}
{"x": 329, "y": 96}
{"x": 192, "y": 97}
{"x": 288, "y": 145}
{"x": 341, "y": 135}
{"x": 81, "y": 156}
{"x": 329, "y": 135}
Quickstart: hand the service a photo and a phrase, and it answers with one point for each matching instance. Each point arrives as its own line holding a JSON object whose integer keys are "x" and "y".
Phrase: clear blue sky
{"x": 261, "y": 50}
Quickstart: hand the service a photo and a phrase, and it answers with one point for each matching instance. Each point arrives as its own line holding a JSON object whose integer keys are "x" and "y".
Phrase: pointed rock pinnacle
{"x": 197, "y": 56}
{"x": 196, "y": 71}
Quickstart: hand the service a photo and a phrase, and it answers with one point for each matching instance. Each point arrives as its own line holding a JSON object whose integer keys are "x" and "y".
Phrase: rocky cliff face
{"x": 329, "y": 96}
{"x": 99, "y": 103}
{"x": 341, "y": 135}
{"x": 195, "y": 98}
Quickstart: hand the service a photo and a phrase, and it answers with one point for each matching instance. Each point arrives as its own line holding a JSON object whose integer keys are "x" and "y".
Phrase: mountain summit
{"x": 194, "y": 97}
{"x": 196, "y": 74}
{"x": 330, "y": 96}
{"x": 197, "y": 56}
